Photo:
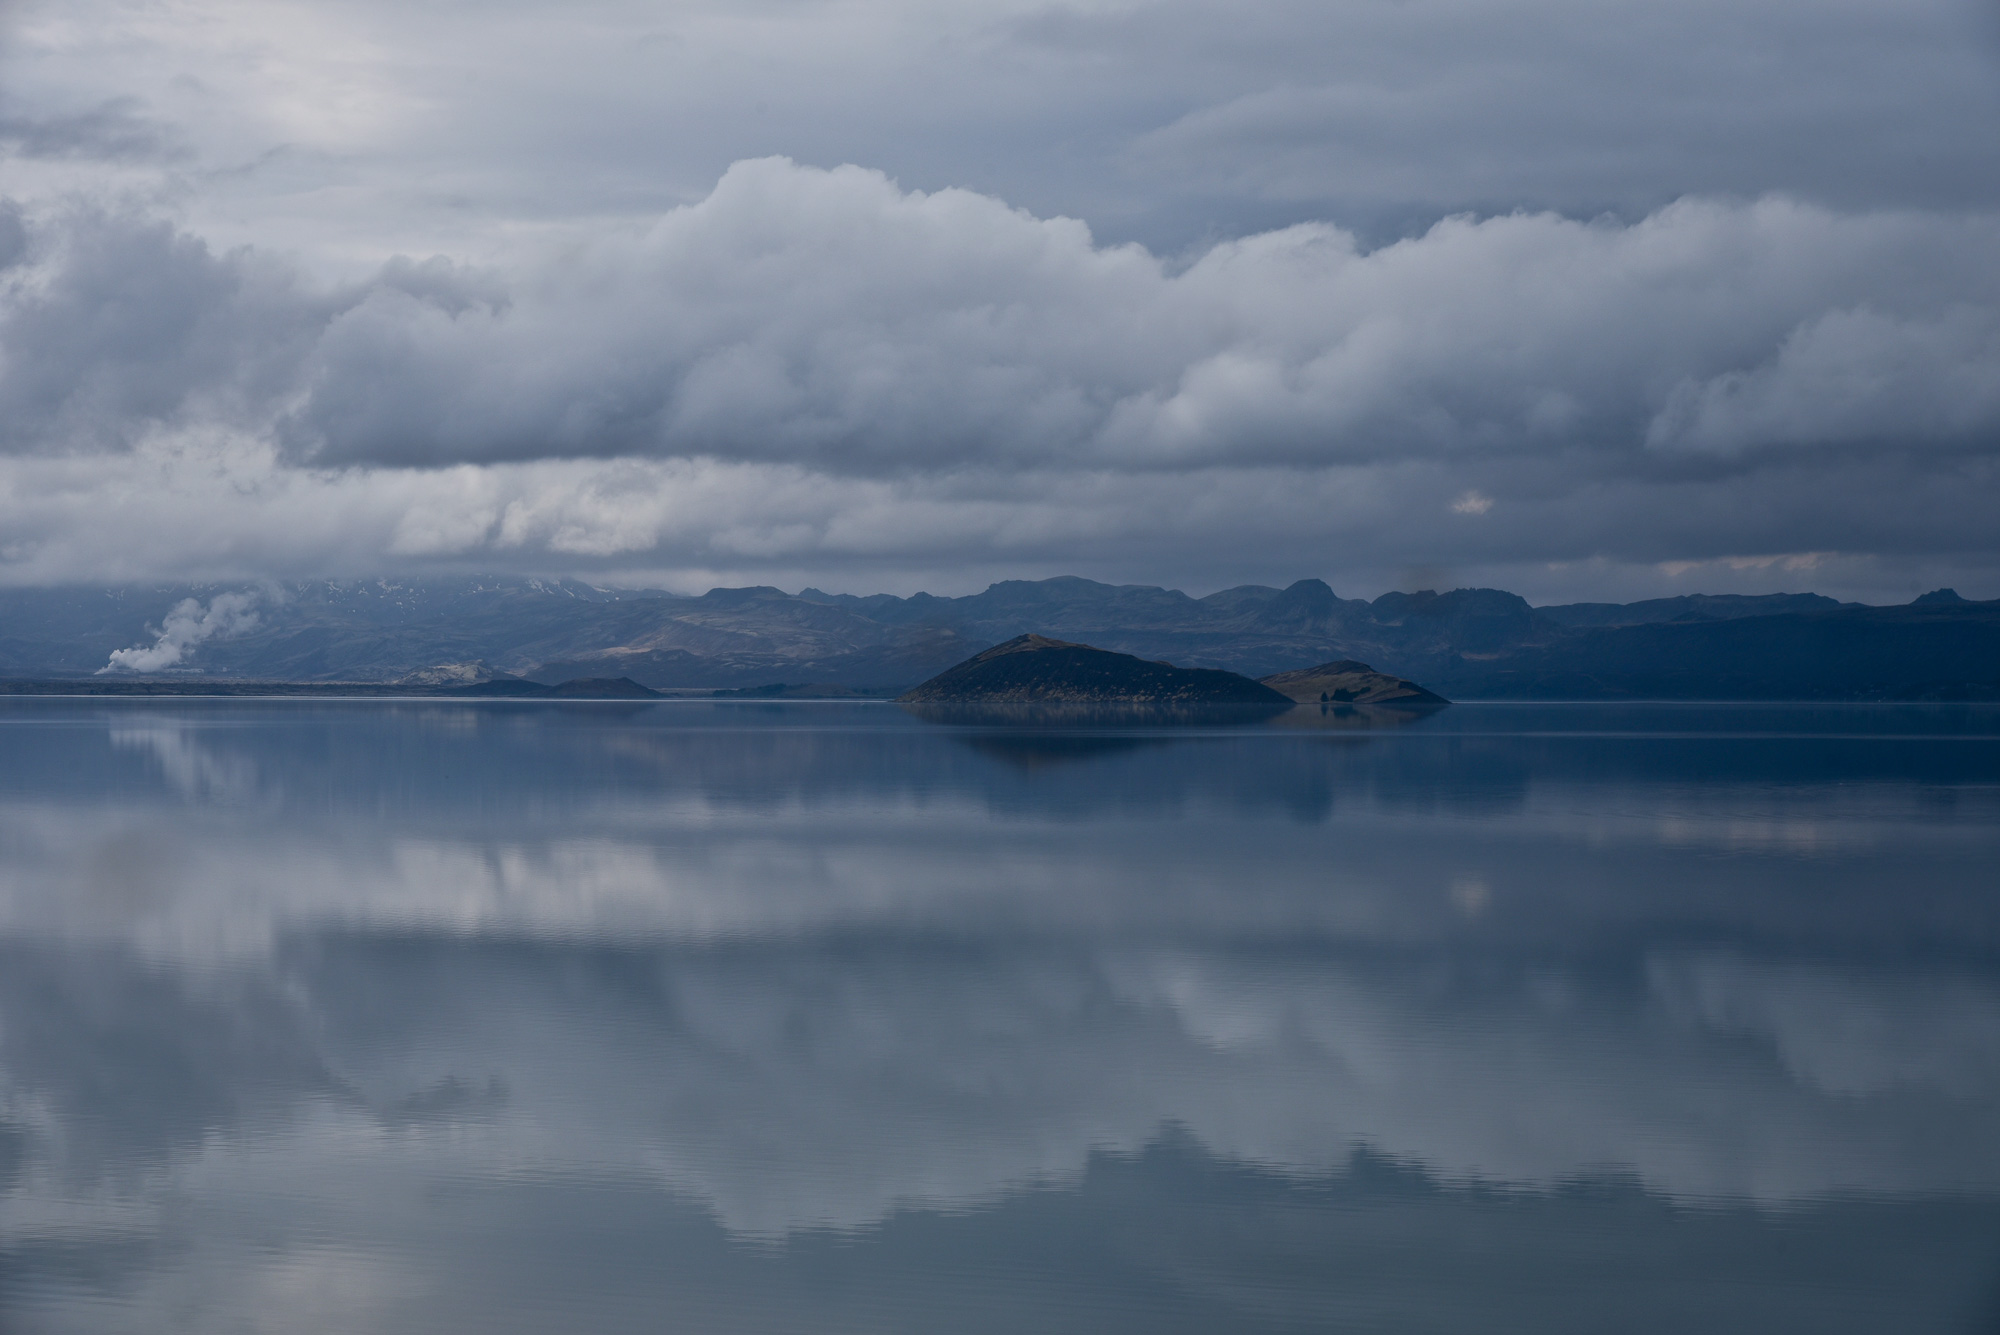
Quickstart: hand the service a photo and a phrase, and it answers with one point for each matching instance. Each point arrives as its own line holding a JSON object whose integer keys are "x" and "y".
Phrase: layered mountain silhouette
{"x": 1465, "y": 644}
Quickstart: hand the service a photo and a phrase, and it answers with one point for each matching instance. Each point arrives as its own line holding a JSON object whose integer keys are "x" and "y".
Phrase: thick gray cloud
{"x": 1393, "y": 108}
{"x": 1161, "y": 121}
{"x": 1721, "y": 306}
{"x": 832, "y": 320}
{"x": 129, "y": 324}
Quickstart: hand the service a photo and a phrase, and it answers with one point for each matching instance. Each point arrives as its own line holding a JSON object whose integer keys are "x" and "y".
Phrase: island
{"x": 1348, "y": 682}
{"x": 1033, "y": 669}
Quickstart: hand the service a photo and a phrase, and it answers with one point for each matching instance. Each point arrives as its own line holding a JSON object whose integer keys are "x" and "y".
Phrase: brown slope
{"x": 1349, "y": 682}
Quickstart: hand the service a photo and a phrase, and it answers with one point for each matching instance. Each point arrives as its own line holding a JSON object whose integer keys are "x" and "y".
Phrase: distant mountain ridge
{"x": 1466, "y": 644}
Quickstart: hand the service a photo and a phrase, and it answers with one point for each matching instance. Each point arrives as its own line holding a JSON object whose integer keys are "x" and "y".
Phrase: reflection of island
{"x": 1352, "y": 718}
{"x": 1037, "y": 748}
{"x": 1109, "y": 714}
{"x": 1032, "y": 736}
{"x": 1038, "y": 734}
{"x": 1033, "y": 669}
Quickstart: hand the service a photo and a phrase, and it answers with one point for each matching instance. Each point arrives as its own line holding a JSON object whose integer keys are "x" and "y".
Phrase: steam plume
{"x": 187, "y": 625}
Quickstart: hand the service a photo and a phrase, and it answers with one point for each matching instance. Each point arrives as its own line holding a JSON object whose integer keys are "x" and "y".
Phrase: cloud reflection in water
{"x": 790, "y": 975}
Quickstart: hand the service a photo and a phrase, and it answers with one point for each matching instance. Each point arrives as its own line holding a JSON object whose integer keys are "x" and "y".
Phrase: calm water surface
{"x": 761, "y": 1018}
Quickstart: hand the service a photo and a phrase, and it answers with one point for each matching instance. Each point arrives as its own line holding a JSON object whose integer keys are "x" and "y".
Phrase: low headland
{"x": 1348, "y": 682}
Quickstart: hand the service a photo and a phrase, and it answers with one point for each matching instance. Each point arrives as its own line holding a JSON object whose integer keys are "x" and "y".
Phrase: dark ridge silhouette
{"x": 433, "y": 637}
{"x": 1033, "y": 669}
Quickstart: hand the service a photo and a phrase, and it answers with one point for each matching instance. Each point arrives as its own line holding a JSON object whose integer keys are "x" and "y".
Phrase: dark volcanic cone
{"x": 1032, "y": 669}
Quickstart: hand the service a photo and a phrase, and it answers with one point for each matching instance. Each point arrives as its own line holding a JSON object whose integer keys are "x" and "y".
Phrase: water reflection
{"x": 1038, "y": 735}
{"x": 826, "y": 1017}
{"x": 1060, "y": 716}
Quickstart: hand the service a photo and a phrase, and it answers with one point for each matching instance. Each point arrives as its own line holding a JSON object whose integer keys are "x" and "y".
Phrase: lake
{"x": 761, "y": 1017}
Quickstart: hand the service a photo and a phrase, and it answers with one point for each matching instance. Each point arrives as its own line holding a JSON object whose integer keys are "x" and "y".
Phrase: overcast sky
{"x": 1574, "y": 299}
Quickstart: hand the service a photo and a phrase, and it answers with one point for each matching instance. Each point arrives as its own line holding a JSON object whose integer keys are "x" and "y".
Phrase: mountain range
{"x": 1466, "y": 643}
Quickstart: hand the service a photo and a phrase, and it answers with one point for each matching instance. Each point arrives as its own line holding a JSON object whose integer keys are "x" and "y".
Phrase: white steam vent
{"x": 188, "y": 624}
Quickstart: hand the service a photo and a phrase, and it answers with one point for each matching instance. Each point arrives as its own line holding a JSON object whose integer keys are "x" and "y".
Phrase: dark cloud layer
{"x": 129, "y": 325}
{"x": 835, "y": 321}
{"x": 114, "y": 131}
{"x": 1487, "y": 292}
